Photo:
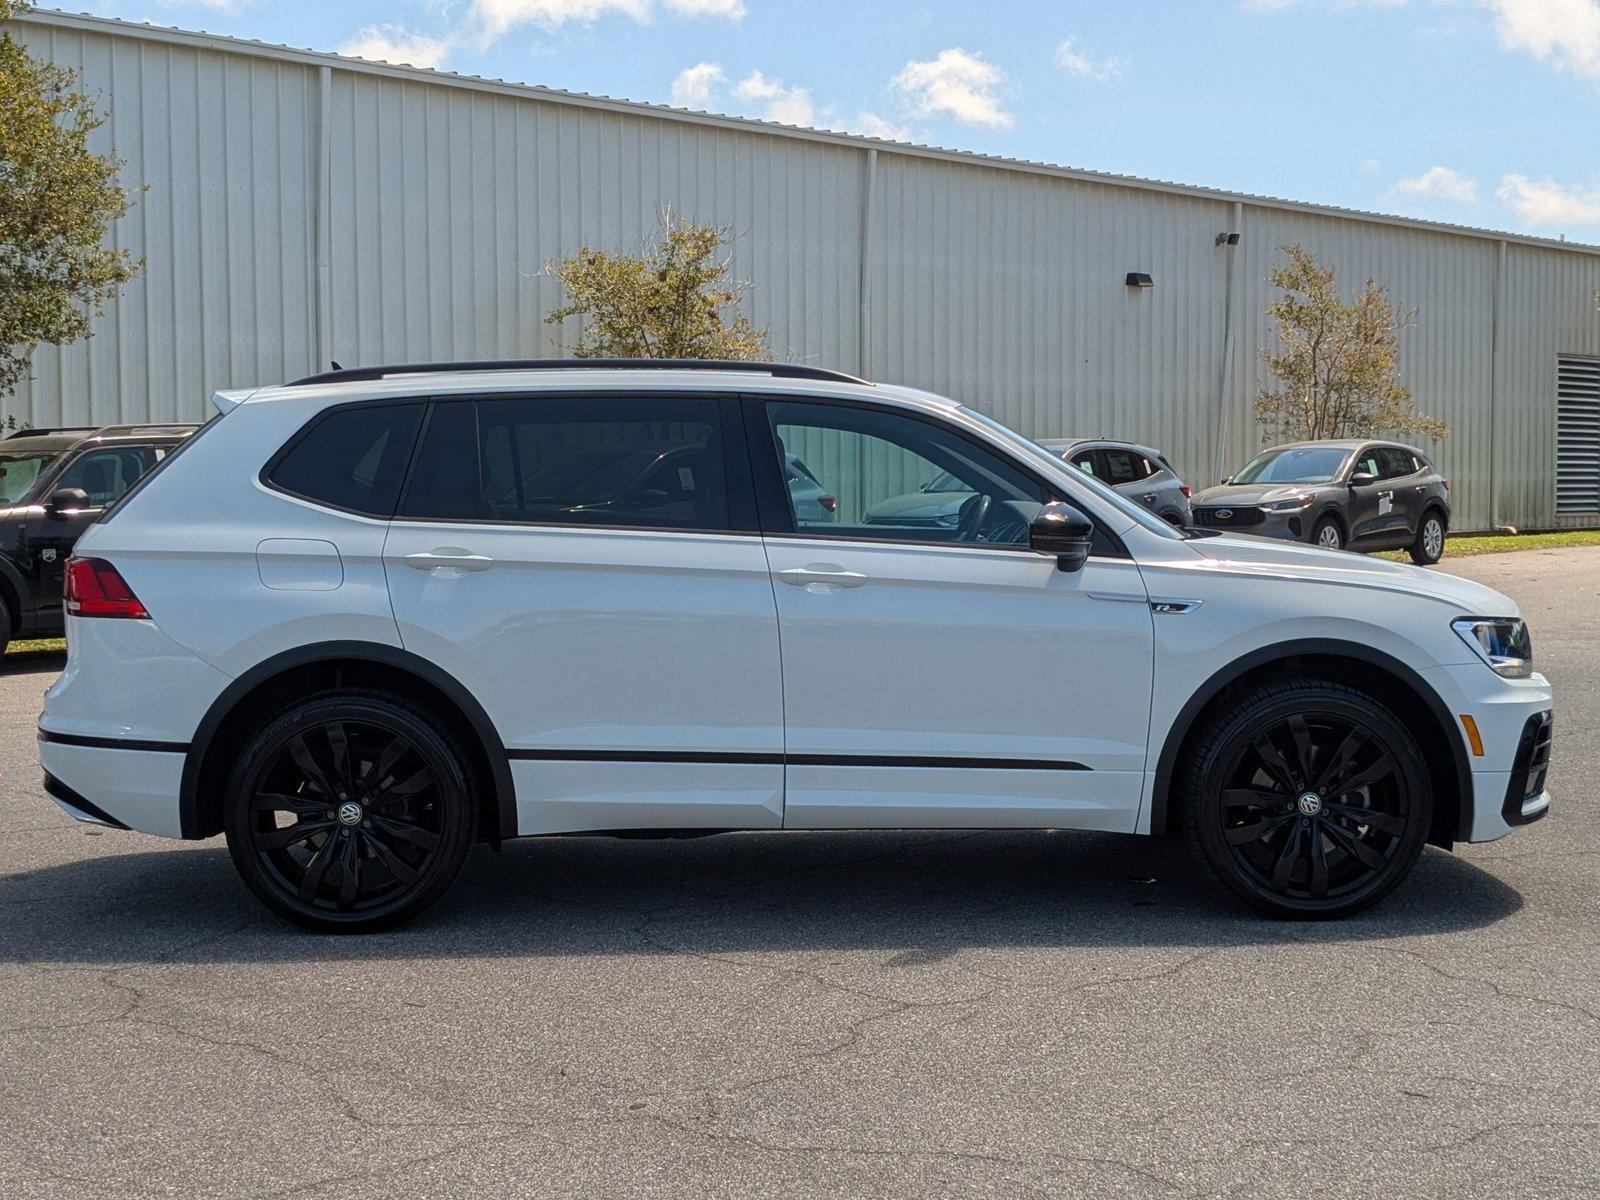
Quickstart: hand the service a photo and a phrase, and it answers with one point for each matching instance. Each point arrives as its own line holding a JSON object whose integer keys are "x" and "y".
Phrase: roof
{"x": 116, "y": 27}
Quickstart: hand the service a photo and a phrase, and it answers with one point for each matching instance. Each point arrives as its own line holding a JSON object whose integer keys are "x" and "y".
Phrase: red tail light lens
{"x": 1186, "y": 490}
{"x": 831, "y": 503}
{"x": 95, "y": 589}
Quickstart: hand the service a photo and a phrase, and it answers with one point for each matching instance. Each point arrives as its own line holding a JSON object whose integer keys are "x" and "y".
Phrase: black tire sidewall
{"x": 1324, "y": 523}
{"x": 1214, "y": 758}
{"x": 458, "y": 822}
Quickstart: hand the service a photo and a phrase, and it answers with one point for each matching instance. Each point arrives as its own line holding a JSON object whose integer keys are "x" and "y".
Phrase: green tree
{"x": 674, "y": 301}
{"x": 1334, "y": 367}
{"x": 57, "y": 201}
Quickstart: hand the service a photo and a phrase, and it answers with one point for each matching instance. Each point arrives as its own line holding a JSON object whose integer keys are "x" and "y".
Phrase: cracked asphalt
{"x": 881, "y": 1014}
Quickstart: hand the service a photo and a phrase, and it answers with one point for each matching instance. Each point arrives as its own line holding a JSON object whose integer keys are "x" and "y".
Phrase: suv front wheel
{"x": 1307, "y": 799}
{"x": 351, "y": 810}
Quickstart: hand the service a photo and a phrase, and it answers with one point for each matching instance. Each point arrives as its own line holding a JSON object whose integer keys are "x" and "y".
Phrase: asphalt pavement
{"x": 777, "y": 1015}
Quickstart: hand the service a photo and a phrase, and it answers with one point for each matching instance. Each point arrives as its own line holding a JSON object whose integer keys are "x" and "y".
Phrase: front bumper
{"x": 1285, "y": 526}
{"x": 1506, "y": 787}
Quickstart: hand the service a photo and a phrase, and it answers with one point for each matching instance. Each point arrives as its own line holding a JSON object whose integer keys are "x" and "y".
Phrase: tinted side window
{"x": 635, "y": 461}
{"x": 105, "y": 474}
{"x": 444, "y": 479}
{"x": 354, "y": 458}
{"x": 1394, "y": 462}
{"x": 1084, "y": 461}
{"x": 1123, "y": 466}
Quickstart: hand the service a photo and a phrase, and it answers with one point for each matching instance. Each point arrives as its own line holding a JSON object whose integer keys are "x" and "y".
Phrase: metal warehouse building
{"x": 304, "y": 207}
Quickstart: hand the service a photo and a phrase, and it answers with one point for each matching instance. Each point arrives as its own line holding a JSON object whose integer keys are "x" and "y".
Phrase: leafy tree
{"x": 673, "y": 302}
{"x": 1334, "y": 365}
{"x": 57, "y": 201}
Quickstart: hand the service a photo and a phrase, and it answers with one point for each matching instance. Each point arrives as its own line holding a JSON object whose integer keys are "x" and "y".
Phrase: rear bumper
{"x": 134, "y": 785}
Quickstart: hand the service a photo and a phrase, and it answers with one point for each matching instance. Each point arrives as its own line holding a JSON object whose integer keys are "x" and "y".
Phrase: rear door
{"x": 589, "y": 568}
{"x": 1403, "y": 476}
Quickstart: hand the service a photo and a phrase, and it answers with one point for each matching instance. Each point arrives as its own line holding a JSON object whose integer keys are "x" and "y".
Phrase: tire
{"x": 1429, "y": 545}
{"x": 325, "y": 841}
{"x": 1269, "y": 811}
{"x": 7, "y": 628}
{"x": 1328, "y": 534}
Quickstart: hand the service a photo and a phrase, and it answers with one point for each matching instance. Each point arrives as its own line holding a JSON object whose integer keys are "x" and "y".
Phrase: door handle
{"x": 448, "y": 559}
{"x": 821, "y": 573}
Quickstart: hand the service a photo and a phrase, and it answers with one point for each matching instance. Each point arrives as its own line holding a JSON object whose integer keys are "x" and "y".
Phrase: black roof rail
{"x": 47, "y": 432}
{"x": 775, "y": 369}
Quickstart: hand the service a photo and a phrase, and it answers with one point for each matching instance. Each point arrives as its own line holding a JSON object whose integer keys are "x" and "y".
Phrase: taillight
{"x": 1186, "y": 490}
{"x": 829, "y": 503}
{"x": 95, "y": 589}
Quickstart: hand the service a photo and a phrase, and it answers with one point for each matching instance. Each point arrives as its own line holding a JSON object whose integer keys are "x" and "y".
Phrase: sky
{"x": 1478, "y": 112}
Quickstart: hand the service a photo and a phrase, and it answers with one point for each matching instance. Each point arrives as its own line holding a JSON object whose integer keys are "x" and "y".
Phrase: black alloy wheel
{"x": 350, "y": 811}
{"x": 1308, "y": 799}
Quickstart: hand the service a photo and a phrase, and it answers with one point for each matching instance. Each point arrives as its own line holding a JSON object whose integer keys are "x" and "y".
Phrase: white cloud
{"x": 730, "y": 10}
{"x": 1075, "y": 62}
{"x": 1441, "y": 183}
{"x": 396, "y": 44}
{"x": 786, "y": 105}
{"x": 694, "y": 87}
{"x": 494, "y": 18}
{"x": 874, "y": 125}
{"x": 1565, "y": 33}
{"x": 958, "y": 84}
{"x": 1544, "y": 203}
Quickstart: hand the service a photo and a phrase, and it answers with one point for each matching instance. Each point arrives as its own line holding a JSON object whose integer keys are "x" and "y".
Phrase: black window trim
{"x": 736, "y": 467}
{"x": 772, "y": 501}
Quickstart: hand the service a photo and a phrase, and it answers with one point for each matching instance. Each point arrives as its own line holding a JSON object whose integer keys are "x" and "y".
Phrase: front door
{"x": 935, "y": 671}
{"x": 1371, "y": 505}
{"x": 596, "y": 595}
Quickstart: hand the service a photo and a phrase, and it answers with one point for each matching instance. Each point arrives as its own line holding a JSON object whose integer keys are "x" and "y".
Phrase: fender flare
{"x": 373, "y": 652}
{"x": 1178, "y": 731}
{"x": 20, "y": 588}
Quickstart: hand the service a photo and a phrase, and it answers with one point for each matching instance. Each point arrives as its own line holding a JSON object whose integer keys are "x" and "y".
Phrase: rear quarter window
{"x": 351, "y": 458}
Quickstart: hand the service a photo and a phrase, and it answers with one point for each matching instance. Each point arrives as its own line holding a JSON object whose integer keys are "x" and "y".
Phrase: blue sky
{"x": 1483, "y": 112}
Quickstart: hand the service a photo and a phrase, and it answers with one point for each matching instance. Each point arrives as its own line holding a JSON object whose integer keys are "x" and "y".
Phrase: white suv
{"x": 366, "y": 620}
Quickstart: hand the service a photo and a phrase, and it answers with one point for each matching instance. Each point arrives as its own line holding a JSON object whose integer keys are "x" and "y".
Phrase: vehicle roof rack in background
{"x": 137, "y": 430}
{"x": 777, "y": 370}
{"x": 46, "y": 432}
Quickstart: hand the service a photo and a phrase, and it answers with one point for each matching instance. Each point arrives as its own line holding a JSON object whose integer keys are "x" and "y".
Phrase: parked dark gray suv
{"x": 1357, "y": 495}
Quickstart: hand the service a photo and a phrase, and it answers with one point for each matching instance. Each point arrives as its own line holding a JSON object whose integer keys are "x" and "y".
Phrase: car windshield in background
{"x": 1297, "y": 464}
{"x": 19, "y": 472}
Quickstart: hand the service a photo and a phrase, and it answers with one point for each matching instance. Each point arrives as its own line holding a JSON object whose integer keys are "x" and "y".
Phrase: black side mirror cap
{"x": 1063, "y": 532}
{"x": 64, "y": 502}
{"x": 1363, "y": 479}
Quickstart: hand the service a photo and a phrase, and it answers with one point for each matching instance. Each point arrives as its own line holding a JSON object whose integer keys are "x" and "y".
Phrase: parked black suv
{"x": 54, "y": 484}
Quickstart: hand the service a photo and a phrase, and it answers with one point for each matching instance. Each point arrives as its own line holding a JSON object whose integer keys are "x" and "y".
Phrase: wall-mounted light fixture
{"x": 1139, "y": 279}
{"x": 1227, "y": 239}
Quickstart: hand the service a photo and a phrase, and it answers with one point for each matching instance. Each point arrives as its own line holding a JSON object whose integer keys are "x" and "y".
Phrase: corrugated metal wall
{"x": 419, "y": 228}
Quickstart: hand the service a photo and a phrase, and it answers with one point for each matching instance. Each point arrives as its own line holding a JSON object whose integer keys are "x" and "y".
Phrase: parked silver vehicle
{"x": 1138, "y": 472}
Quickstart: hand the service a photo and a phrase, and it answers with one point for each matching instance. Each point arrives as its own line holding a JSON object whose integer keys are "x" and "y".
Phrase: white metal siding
{"x": 420, "y": 228}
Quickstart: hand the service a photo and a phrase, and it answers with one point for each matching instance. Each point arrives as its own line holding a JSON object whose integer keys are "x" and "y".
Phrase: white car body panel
{"x": 608, "y": 642}
{"x": 936, "y": 651}
{"x": 692, "y": 649}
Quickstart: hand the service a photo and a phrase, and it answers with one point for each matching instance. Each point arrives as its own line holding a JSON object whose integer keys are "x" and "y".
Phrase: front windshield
{"x": 1295, "y": 464}
{"x": 1135, "y": 512}
{"x": 19, "y": 472}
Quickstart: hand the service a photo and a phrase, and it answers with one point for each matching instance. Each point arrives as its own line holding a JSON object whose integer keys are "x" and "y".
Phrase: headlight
{"x": 1290, "y": 505}
{"x": 1504, "y": 643}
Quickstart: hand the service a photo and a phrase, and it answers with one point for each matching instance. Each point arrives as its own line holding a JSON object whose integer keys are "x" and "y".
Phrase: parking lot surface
{"x": 879, "y": 1014}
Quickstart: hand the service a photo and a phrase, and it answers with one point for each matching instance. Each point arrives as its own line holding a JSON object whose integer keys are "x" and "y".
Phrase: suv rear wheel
{"x": 1307, "y": 799}
{"x": 350, "y": 810}
{"x": 1429, "y": 546}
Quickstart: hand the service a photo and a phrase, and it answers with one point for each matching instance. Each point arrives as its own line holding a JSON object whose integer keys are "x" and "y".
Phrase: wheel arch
{"x": 1372, "y": 671}
{"x": 1330, "y": 509}
{"x": 13, "y": 588}
{"x": 275, "y": 682}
